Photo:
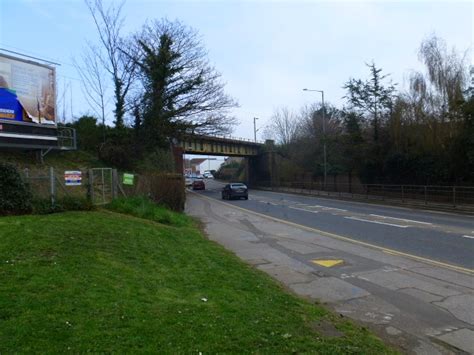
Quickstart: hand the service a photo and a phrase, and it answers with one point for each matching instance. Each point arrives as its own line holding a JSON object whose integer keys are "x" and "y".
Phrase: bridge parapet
{"x": 219, "y": 145}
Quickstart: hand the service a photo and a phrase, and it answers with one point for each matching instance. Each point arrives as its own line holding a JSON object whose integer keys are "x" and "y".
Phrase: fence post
{"x": 454, "y": 196}
{"x": 103, "y": 185}
{"x": 403, "y": 195}
{"x": 52, "y": 187}
{"x": 426, "y": 201}
{"x": 90, "y": 187}
{"x": 114, "y": 184}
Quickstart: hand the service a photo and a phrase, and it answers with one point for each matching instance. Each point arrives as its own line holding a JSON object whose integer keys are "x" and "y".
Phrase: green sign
{"x": 128, "y": 179}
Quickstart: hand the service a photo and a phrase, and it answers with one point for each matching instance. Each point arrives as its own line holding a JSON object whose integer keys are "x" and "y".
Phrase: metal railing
{"x": 461, "y": 197}
{"x": 67, "y": 138}
{"x": 228, "y": 137}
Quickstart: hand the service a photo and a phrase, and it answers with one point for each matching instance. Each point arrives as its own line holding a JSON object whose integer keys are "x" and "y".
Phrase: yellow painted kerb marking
{"x": 328, "y": 262}
{"x": 340, "y": 237}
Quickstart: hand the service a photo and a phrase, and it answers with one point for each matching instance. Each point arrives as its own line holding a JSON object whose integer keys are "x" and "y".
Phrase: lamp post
{"x": 255, "y": 130}
{"x": 324, "y": 134}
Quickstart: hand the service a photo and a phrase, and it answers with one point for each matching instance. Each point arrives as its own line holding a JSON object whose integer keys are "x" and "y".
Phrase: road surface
{"x": 347, "y": 256}
{"x": 441, "y": 237}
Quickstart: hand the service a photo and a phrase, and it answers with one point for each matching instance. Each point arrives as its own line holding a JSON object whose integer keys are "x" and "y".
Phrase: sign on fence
{"x": 73, "y": 178}
{"x": 128, "y": 179}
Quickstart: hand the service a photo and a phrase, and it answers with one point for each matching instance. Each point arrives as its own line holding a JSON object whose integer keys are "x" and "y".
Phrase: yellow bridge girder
{"x": 209, "y": 145}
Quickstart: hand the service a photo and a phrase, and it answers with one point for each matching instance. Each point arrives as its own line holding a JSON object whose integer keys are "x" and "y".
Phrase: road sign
{"x": 73, "y": 178}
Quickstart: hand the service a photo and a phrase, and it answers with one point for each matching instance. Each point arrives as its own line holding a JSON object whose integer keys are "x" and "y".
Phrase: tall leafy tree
{"x": 371, "y": 98}
{"x": 181, "y": 91}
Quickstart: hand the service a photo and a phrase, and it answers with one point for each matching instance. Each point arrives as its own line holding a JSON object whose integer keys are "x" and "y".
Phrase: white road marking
{"x": 302, "y": 209}
{"x": 335, "y": 209}
{"x": 377, "y": 222}
{"x": 468, "y": 236}
{"x": 401, "y": 219}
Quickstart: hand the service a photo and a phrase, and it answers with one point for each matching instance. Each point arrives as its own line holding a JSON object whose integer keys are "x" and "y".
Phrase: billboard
{"x": 34, "y": 85}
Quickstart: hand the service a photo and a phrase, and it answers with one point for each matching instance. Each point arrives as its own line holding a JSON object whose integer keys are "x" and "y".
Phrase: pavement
{"x": 421, "y": 305}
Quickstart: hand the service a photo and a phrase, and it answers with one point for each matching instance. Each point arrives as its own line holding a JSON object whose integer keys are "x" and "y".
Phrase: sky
{"x": 266, "y": 51}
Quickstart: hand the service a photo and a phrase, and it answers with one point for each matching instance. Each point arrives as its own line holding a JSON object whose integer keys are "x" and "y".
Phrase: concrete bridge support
{"x": 262, "y": 169}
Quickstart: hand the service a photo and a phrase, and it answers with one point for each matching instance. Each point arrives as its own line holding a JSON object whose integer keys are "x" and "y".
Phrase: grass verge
{"x": 107, "y": 282}
{"x": 144, "y": 208}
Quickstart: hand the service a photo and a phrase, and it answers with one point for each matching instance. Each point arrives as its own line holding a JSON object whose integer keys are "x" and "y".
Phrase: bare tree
{"x": 94, "y": 82}
{"x": 447, "y": 73}
{"x": 283, "y": 126}
{"x": 311, "y": 125}
{"x": 109, "y": 22}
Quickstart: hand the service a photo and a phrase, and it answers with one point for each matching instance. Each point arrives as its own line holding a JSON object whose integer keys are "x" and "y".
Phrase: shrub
{"x": 15, "y": 195}
{"x": 143, "y": 207}
{"x": 168, "y": 189}
{"x": 163, "y": 189}
{"x": 44, "y": 206}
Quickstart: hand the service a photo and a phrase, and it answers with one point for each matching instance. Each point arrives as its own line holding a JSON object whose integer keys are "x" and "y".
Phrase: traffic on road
{"x": 437, "y": 236}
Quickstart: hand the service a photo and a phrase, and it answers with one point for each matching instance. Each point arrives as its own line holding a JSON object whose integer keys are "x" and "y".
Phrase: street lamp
{"x": 324, "y": 134}
{"x": 255, "y": 130}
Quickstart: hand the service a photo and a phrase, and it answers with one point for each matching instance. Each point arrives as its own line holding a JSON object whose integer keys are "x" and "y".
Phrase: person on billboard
{"x": 10, "y": 106}
{"x": 3, "y": 83}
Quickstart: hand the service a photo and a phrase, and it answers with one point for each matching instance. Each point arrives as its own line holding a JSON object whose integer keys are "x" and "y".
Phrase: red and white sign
{"x": 73, "y": 178}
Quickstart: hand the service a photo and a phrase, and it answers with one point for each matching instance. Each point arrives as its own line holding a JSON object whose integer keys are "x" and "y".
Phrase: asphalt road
{"x": 438, "y": 236}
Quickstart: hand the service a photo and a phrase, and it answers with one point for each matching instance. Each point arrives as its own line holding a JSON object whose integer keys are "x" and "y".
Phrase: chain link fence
{"x": 102, "y": 185}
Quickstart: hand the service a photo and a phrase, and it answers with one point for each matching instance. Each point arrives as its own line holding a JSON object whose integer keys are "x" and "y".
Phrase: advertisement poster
{"x": 33, "y": 84}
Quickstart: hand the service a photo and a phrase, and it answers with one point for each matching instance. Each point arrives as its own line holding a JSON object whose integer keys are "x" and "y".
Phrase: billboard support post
{"x": 52, "y": 183}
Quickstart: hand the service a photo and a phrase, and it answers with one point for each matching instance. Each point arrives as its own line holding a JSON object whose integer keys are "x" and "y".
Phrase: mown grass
{"x": 107, "y": 282}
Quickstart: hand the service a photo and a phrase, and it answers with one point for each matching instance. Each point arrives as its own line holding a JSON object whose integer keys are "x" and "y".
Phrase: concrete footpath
{"x": 418, "y": 307}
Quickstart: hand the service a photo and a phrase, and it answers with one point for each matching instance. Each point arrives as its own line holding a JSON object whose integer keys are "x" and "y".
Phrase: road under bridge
{"x": 260, "y": 158}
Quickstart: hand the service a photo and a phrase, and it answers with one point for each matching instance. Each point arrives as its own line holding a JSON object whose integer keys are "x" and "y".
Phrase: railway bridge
{"x": 260, "y": 158}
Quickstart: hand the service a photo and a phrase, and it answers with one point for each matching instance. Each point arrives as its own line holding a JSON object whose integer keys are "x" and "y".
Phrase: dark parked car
{"x": 198, "y": 184}
{"x": 237, "y": 190}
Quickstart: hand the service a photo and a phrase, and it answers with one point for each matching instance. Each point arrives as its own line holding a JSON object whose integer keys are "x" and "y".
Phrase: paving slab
{"x": 329, "y": 289}
{"x": 461, "y": 306}
{"x": 369, "y": 309}
{"x": 395, "y": 280}
{"x": 422, "y": 295}
{"x": 462, "y": 339}
{"x": 285, "y": 274}
{"x": 453, "y": 277}
{"x": 303, "y": 248}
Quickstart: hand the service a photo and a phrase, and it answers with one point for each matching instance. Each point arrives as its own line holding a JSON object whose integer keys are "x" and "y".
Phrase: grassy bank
{"x": 60, "y": 160}
{"x": 108, "y": 282}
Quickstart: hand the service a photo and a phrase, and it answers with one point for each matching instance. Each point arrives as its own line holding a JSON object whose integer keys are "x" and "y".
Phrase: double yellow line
{"x": 340, "y": 237}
